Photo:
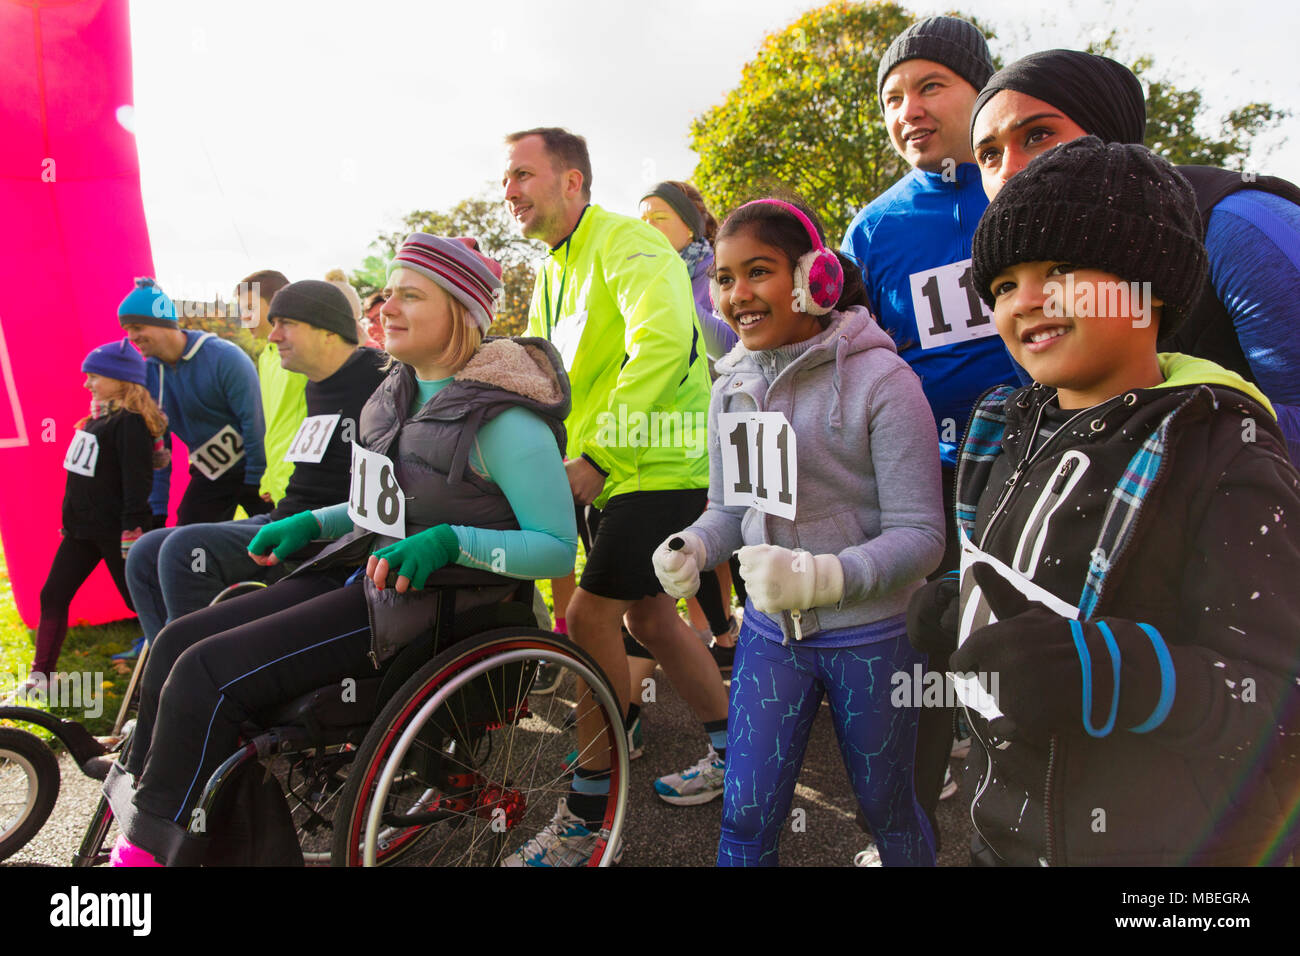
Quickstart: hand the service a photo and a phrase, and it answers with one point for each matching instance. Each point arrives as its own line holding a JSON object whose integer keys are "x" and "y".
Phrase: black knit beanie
{"x": 316, "y": 302}
{"x": 957, "y": 44}
{"x": 1101, "y": 96}
{"x": 1115, "y": 207}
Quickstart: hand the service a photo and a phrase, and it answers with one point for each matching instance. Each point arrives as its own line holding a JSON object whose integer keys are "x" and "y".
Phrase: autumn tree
{"x": 484, "y": 218}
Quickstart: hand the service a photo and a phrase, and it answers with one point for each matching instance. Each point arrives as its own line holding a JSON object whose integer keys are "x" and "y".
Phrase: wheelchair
{"x": 449, "y": 756}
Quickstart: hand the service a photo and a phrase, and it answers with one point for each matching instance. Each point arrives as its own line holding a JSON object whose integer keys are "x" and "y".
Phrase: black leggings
{"x": 210, "y": 671}
{"x": 73, "y": 563}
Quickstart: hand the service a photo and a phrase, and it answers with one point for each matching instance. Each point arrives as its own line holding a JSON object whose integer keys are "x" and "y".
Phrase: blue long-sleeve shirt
{"x": 213, "y": 384}
{"x": 1253, "y": 243}
{"x": 913, "y": 242}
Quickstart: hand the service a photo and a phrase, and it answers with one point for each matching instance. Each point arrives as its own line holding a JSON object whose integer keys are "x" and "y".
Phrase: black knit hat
{"x": 1115, "y": 207}
{"x": 957, "y": 44}
{"x": 1102, "y": 96}
{"x": 316, "y": 302}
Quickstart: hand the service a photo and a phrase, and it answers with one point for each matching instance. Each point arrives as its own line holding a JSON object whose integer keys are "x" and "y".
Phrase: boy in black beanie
{"x": 1131, "y": 545}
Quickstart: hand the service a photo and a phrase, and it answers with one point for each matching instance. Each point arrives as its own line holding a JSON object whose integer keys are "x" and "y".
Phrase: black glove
{"x": 932, "y": 616}
{"x": 1039, "y": 659}
{"x": 250, "y": 499}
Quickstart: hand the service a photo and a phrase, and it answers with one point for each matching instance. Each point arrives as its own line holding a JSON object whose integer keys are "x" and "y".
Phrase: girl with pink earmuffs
{"x": 824, "y": 473}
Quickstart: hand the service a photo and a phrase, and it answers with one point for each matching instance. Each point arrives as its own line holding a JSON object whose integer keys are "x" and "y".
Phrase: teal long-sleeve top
{"x": 518, "y": 452}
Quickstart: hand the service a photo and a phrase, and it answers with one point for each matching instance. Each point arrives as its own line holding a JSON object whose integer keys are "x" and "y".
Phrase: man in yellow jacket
{"x": 284, "y": 401}
{"x": 615, "y": 299}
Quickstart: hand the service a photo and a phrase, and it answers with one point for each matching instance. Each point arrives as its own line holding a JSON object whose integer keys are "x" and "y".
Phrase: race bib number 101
{"x": 759, "y": 462}
{"x": 947, "y": 307}
{"x": 83, "y": 454}
{"x": 218, "y": 454}
{"x": 375, "y": 501}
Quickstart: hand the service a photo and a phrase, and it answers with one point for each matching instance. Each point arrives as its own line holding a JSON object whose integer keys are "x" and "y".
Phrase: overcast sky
{"x": 285, "y": 134}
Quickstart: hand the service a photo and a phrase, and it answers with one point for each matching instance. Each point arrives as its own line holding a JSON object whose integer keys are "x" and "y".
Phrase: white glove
{"x": 678, "y": 569}
{"x": 779, "y": 579}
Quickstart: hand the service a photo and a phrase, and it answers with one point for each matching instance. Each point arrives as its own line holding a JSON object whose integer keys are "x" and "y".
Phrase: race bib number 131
{"x": 947, "y": 307}
{"x": 375, "y": 501}
{"x": 312, "y": 439}
{"x": 759, "y": 462}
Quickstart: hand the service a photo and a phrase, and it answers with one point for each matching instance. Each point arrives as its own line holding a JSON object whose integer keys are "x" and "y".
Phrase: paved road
{"x": 657, "y": 833}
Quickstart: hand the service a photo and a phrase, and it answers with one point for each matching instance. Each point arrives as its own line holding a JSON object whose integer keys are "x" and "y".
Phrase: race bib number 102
{"x": 218, "y": 454}
{"x": 375, "y": 501}
{"x": 759, "y": 462}
{"x": 947, "y": 307}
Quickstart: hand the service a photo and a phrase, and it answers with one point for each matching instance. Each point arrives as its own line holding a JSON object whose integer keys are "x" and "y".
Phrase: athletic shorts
{"x": 625, "y": 534}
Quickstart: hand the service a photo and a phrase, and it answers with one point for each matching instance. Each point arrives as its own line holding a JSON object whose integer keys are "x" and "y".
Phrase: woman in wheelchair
{"x": 462, "y": 465}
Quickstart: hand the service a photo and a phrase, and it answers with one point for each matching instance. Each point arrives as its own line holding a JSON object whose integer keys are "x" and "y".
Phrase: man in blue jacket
{"x": 914, "y": 245}
{"x": 208, "y": 388}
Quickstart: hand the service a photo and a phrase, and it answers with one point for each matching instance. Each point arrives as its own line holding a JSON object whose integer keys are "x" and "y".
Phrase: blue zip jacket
{"x": 913, "y": 242}
{"x": 214, "y": 384}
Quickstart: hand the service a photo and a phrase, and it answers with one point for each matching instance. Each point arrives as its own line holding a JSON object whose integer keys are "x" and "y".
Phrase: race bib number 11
{"x": 759, "y": 459}
{"x": 947, "y": 307}
{"x": 218, "y": 454}
{"x": 375, "y": 501}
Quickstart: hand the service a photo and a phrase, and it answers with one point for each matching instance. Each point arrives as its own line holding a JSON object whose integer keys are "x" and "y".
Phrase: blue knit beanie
{"x": 147, "y": 305}
{"x": 117, "y": 360}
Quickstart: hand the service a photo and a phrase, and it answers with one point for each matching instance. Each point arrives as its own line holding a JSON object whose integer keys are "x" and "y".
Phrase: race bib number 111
{"x": 947, "y": 307}
{"x": 759, "y": 462}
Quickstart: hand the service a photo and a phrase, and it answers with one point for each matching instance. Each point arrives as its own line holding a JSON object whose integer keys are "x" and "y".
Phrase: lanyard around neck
{"x": 552, "y": 318}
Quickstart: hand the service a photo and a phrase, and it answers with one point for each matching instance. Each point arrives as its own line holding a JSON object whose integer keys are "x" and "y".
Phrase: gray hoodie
{"x": 868, "y": 458}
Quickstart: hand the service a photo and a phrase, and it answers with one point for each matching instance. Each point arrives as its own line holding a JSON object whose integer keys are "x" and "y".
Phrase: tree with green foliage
{"x": 806, "y": 117}
{"x": 1173, "y": 115}
{"x": 485, "y": 219}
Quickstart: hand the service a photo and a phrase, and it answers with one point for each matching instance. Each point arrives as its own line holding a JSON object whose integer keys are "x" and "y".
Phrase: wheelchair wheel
{"x": 29, "y": 787}
{"x": 467, "y": 763}
{"x": 312, "y": 785}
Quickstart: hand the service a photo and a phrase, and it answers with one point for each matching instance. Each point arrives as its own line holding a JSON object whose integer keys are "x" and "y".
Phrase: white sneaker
{"x": 868, "y": 857}
{"x": 565, "y": 841}
{"x": 698, "y": 784}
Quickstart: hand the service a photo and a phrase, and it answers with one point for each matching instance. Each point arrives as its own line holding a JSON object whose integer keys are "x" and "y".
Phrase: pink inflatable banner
{"x": 74, "y": 239}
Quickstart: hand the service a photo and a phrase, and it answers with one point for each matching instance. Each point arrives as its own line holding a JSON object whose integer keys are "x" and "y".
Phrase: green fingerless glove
{"x": 287, "y": 536}
{"x": 418, "y": 556}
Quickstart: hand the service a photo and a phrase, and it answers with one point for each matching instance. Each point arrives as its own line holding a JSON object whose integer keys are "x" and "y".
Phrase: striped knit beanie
{"x": 470, "y": 277}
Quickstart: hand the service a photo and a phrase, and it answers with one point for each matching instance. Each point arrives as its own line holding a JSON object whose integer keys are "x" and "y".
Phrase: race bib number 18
{"x": 375, "y": 501}
{"x": 218, "y": 454}
{"x": 759, "y": 458}
{"x": 312, "y": 439}
{"x": 83, "y": 454}
{"x": 947, "y": 307}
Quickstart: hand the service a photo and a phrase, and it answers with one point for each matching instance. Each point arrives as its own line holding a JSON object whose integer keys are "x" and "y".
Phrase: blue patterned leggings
{"x": 775, "y": 693}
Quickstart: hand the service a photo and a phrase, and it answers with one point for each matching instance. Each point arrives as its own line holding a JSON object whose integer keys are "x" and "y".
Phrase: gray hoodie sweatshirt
{"x": 868, "y": 485}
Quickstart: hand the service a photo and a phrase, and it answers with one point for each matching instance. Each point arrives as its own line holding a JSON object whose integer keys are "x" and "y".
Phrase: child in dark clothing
{"x": 1131, "y": 545}
{"x": 106, "y": 501}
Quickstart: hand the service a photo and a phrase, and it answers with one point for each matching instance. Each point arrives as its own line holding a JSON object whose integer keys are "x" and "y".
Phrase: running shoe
{"x": 565, "y": 841}
{"x": 635, "y": 741}
{"x": 131, "y": 654}
{"x": 961, "y": 748}
{"x": 547, "y": 679}
{"x": 868, "y": 857}
{"x": 949, "y": 784}
{"x": 698, "y": 784}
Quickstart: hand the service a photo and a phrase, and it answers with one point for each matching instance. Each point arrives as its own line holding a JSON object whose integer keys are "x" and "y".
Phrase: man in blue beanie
{"x": 208, "y": 388}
